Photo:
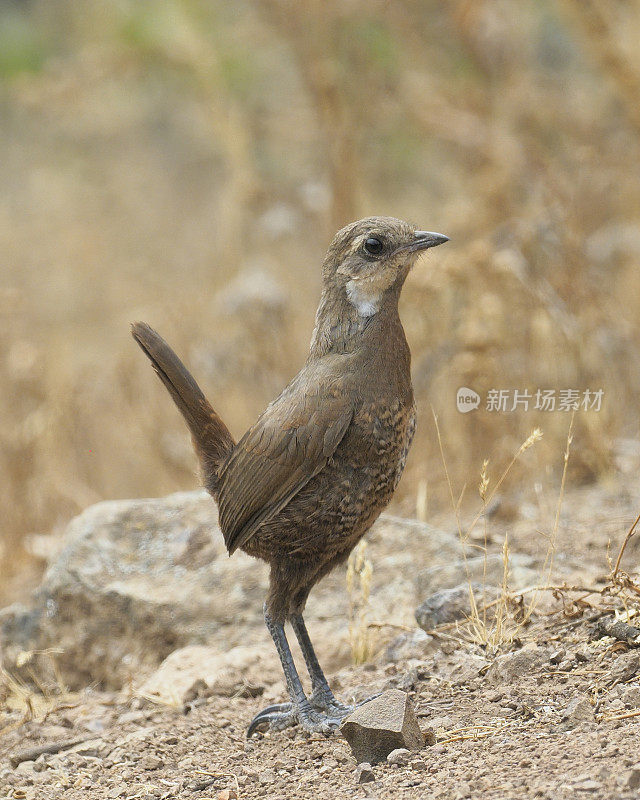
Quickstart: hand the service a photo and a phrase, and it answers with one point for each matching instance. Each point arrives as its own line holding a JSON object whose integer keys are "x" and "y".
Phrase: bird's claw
{"x": 285, "y": 715}
{"x": 330, "y": 706}
{"x": 325, "y": 701}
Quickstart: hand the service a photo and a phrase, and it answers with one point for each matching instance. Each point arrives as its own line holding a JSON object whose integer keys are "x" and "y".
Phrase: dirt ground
{"x": 555, "y": 714}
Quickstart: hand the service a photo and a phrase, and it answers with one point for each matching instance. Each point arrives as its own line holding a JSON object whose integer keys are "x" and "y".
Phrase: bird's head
{"x": 368, "y": 258}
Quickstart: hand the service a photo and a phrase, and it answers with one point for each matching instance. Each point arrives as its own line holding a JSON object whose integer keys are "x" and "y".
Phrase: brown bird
{"x": 308, "y": 479}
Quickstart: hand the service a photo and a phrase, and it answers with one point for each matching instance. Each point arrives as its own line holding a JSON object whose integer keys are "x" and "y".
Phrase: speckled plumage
{"x": 309, "y": 478}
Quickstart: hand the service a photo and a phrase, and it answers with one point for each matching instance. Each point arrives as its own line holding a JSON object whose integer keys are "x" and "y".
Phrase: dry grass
{"x": 31, "y": 703}
{"x": 490, "y": 623}
{"x": 359, "y": 574}
{"x": 156, "y": 153}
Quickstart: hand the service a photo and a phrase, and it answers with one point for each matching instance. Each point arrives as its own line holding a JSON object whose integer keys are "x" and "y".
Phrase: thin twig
{"x": 626, "y": 715}
{"x": 31, "y": 753}
{"x": 630, "y": 533}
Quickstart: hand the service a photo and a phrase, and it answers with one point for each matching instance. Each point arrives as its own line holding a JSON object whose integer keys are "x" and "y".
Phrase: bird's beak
{"x": 425, "y": 239}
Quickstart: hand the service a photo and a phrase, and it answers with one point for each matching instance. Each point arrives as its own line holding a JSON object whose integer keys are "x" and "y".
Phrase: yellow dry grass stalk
{"x": 547, "y": 566}
{"x": 32, "y": 703}
{"x": 359, "y": 575}
{"x": 500, "y": 629}
{"x": 504, "y": 628}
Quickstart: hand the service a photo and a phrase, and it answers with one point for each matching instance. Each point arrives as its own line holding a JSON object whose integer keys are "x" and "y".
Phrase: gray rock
{"x": 410, "y": 644}
{"x": 364, "y": 773}
{"x": 626, "y": 666}
{"x": 631, "y": 696}
{"x": 467, "y": 666}
{"x": 135, "y": 580}
{"x": 198, "y": 670}
{"x": 450, "y": 574}
{"x": 449, "y": 605}
{"x": 399, "y": 757}
{"x": 631, "y": 778}
{"x": 511, "y": 666}
{"x": 578, "y": 712}
{"x": 386, "y": 723}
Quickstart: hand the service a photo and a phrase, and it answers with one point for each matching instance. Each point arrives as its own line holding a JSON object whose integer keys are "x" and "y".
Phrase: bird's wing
{"x": 289, "y": 444}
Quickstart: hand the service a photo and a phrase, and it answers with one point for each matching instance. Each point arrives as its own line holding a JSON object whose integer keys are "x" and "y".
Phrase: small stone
{"x": 408, "y": 681}
{"x": 364, "y": 773}
{"x": 418, "y": 765}
{"x": 626, "y": 666}
{"x": 386, "y": 723}
{"x": 92, "y": 747}
{"x": 268, "y": 776}
{"x": 410, "y": 644}
{"x": 512, "y": 666}
{"x": 631, "y": 696}
{"x": 429, "y": 735}
{"x": 557, "y": 656}
{"x": 582, "y": 657}
{"x": 227, "y": 794}
{"x": 400, "y": 756}
{"x": 195, "y": 691}
{"x": 442, "y": 723}
{"x": 449, "y": 605}
{"x": 578, "y": 712}
{"x": 587, "y": 785}
{"x": 631, "y": 778}
{"x": 151, "y": 762}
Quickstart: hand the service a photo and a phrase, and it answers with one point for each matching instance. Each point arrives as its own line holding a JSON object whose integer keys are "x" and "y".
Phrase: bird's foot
{"x": 284, "y": 715}
{"x": 323, "y": 700}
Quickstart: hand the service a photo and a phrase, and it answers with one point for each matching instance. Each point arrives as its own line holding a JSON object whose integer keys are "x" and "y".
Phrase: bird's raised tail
{"x": 211, "y": 438}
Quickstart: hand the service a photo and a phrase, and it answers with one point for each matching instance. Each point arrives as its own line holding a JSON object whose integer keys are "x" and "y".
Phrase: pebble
{"x": 399, "y": 756}
{"x": 631, "y": 779}
{"x": 266, "y": 776}
{"x": 364, "y": 773}
{"x": 587, "y": 785}
{"x": 151, "y": 762}
{"x": 631, "y": 696}
{"x": 578, "y": 711}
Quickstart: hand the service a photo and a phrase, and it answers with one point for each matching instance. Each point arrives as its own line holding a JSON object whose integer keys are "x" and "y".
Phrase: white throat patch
{"x": 366, "y": 293}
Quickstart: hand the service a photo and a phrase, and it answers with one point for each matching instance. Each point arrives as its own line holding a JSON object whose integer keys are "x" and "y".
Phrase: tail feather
{"x": 211, "y": 438}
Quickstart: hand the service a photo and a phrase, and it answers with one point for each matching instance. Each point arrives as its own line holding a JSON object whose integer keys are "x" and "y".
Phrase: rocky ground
{"x": 549, "y": 709}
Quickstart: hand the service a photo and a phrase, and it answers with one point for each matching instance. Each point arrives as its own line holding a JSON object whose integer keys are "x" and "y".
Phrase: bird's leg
{"x": 322, "y": 696}
{"x": 283, "y": 715}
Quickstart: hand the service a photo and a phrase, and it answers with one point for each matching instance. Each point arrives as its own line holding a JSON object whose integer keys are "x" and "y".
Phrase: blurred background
{"x": 186, "y": 162}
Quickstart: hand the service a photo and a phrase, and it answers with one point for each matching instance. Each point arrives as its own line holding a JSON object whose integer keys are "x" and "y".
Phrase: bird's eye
{"x": 373, "y": 246}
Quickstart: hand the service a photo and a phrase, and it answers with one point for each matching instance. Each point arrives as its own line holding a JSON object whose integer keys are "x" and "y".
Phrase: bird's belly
{"x": 332, "y": 512}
